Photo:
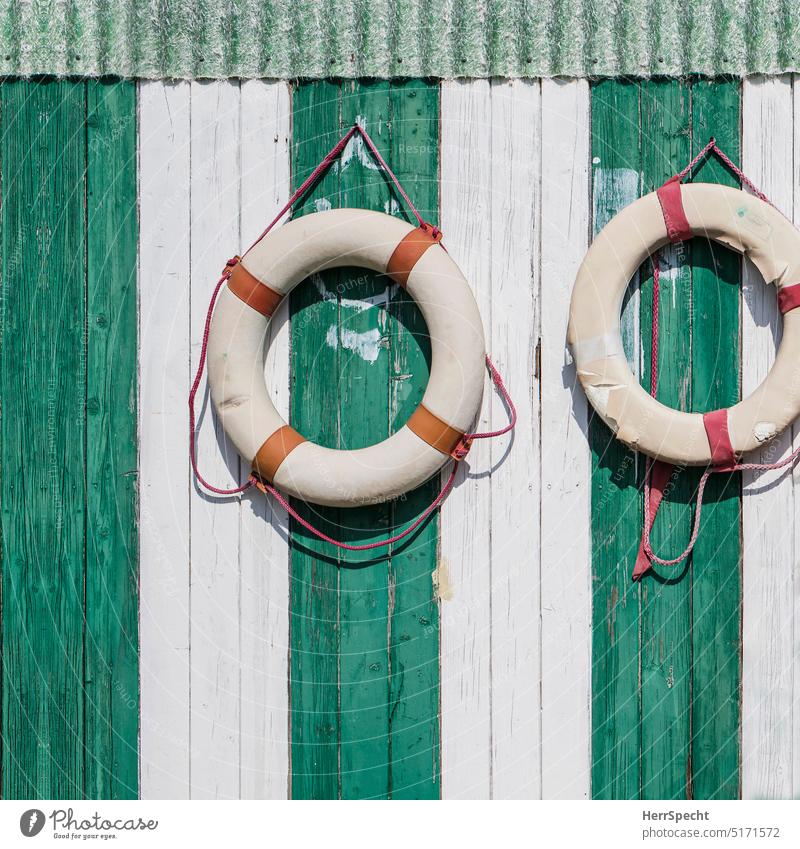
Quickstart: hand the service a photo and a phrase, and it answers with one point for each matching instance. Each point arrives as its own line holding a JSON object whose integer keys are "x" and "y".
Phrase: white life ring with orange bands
{"x": 280, "y": 455}
{"x": 737, "y": 220}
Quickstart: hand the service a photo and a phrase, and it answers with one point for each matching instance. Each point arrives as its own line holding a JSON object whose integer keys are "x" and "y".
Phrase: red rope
{"x": 464, "y": 446}
{"x": 711, "y": 146}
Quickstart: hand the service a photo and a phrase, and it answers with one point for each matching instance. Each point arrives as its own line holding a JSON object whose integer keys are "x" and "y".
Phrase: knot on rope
{"x": 462, "y": 448}
{"x": 234, "y": 260}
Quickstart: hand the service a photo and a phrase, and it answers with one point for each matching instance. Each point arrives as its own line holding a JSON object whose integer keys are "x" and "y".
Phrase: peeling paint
{"x": 442, "y": 584}
{"x": 366, "y": 345}
{"x": 764, "y": 431}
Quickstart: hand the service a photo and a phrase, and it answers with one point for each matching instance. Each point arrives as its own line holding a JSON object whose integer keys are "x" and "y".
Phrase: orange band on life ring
{"x": 431, "y": 429}
{"x": 275, "y": 450}
{"x": 409, "y": 251}
{"x": 252, "y": 291}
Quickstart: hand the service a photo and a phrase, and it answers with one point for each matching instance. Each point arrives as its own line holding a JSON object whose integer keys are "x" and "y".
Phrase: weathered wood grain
{"x": 716, "y": 560}
{"x": 314, "y": 579}
{"x": 42, "y": 433}
{"x": 513, "y": 322}
{"x": 68, "y": 440}
{"x": 111, "y": 593}
{"x": 264, "y": 554}
{"x": 363, "y": 671}
{"x": 616, "y": 512}
{"x": 466, "y": 192}
{"x": 415, "y": 771}
{"x": 214, "y": 647}
{"x": 566, "y": 583}
{"x": 666, "y": 653}
{"x": 164, "y": 376}
{"x": 769, "y": 566}
{"x": 666, "y": 615}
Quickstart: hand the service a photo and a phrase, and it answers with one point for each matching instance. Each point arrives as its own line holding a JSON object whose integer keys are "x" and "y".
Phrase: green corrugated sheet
{"x": 398, "y": 38}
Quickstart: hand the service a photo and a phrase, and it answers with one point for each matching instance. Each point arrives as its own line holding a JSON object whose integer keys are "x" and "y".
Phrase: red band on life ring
{"x": 669, "y": 196}
{"x": 719, "y": 439}
{"x": 789, "y": 298}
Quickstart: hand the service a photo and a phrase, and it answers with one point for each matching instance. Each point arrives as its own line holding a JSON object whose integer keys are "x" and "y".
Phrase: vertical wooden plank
{"x": 768, "y": 560}
{"x": 685, "y": 691}
{"x": 214, "y": 547}
{"x": 465, "y": 563}
{"x": 43, "y": 459}
{"x": 716, "y": 561}
{"x": 363, "y": 418}
{"x": 354, "y": 697}
{"x": 616, "y": 510}
{"x": 264, "y": 556}
{"x": 513, "y": 320}
{"x": 796, "y": 480}
{"x": 666, "y": 592}
{"x": 565, "y": 458}
{"x": 164, "y": 369}
{"x": 414, "y": 627}
{"x": 112, "y": 640}
{"x": 314, "y": 604}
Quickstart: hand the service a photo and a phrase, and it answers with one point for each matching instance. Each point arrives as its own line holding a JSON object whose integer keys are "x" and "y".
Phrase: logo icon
{"x": 31, "y": 822}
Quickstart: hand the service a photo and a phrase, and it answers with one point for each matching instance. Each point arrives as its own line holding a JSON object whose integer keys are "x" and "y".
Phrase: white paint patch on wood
{"x": 770, "y": 674}
{"x": 214, "y": 168}
{"x": 164, "y": 469}
{"x": 566, "y": 599}
{"x": 516, "y": 650}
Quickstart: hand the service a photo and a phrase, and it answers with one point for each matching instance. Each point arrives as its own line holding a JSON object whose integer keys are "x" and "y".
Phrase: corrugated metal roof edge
{"x": 350, "y": 39}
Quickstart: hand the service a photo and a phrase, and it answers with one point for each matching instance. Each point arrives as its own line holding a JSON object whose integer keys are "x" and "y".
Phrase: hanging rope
{"x": 657, "y": 470}
{"x": 461, "y": 450}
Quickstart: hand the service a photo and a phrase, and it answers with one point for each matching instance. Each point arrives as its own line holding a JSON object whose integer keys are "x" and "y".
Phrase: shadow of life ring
{"x": 413, "y": 258}
{"x": 737, "y": 220}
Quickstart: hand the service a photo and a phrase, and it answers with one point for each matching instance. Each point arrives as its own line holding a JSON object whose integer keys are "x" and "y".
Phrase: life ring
{"x": 737, "y": 220}
{"x": 412, "y": 257}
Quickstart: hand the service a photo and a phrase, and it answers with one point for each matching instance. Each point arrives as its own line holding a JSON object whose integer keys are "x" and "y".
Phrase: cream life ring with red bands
{"x": 735, "y": 219}
{"x": 412, "y": 257}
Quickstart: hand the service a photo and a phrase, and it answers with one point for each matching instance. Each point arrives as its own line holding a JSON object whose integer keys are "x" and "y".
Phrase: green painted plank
{"x": 314, "y": 602}
{"x": 666, "y": 672}
{"x": 616, "y": 502}
{"x": 414, "y": 690}
{"x": 112, "y": 672}
{"x": 42, "y": 437}
{"x": 364, "y": 416}
{"x": 717, "y": 581}
{"x": 666, "y": 599}
{"x": 364, "y": 667}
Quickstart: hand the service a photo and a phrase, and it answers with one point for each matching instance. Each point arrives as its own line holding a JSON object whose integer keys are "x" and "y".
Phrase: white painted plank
{"x": 795, "y": 562}
{"x": 767, "y": 511}
{"x": 465, "y": 617}
{"x": 565, "y": 456}
{"x": 164, "y": 469}
{"x": 215, "y": 584}
{"x": 264, "y": 556}
{"x": 513, "y": 317}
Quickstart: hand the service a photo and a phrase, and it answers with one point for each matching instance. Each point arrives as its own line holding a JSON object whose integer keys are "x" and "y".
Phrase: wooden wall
{"x": 68, "y": 446}
{"x": 503, "y": 651}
